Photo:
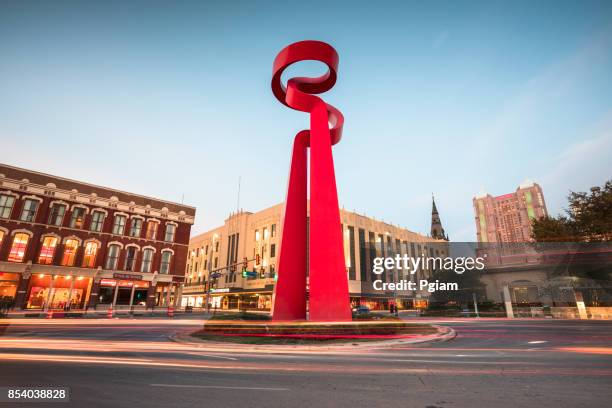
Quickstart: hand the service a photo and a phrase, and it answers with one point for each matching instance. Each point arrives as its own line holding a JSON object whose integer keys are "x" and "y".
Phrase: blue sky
{"x": 174, "y": 100}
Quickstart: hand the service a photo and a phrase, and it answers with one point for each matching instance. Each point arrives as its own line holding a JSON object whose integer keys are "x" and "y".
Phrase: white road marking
{"x": 537, "y": 342}
{"x": 220, "y": 387}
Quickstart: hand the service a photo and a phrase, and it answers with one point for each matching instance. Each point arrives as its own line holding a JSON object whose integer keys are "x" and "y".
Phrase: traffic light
{"x": 262, "y": 273}
{"x": 257, "y": 259}
{"x": 245, "y": 263}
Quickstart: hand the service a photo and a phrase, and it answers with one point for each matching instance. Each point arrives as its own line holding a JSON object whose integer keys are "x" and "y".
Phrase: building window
{"x": 130, "y": 258}
{"x": 273, "y": 230}
{"x": 170, "y": 232}
{"x": 166, "y": 257}
{"x": 265, "y": 234}
{"x": 147, "y": 260}
{"x": 113, "y": 256}
{"x": 256, "y": 235}
{"x": 272, "y": 250}
{"x": 70, "y": 249}
{"x": 151, "y": 229}
{"x": 216, "y": 262}
{"x": 28, "y": 213}
{"x": 205, "y": 261}
{"x": 1, "y": 238}
{"x": 97, "y": 221}
{"x": 18, "y": 249}
{"x": 217, "y": 246}
{"x": 47, "y": 250}
{"x": 56, "y": 215}
{"x": 6, "y": 205}
{"x": 77, "y": 218}
{"x": 119, "y": 224}
{"x": 136, "y": 228}
{"x": 91, "y": 251}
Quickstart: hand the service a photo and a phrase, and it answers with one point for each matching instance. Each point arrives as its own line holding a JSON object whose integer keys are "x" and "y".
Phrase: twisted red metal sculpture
{"x": 328, "y": 297}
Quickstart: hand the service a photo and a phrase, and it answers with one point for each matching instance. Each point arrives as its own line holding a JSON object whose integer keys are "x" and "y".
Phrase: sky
{"x": 173, "y": 100}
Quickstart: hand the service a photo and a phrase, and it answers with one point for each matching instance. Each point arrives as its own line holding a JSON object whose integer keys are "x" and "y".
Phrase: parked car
{"x": 361, "y": 310}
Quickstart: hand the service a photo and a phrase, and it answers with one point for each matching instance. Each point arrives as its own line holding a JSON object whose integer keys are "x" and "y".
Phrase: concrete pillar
{"x": 70, "y": 292}
{"x": 580, "y": 305}
{"x": 115, "y": 295}
{"x": 49, "y": 293}
{"x": 93, "y": 295}
{"x": 22, "y": 291}
{"x": 508, "y": 303}
{"x": 151, "y": 296}
{"x": 132, "y": 295}
{"x": 168, "y": 289}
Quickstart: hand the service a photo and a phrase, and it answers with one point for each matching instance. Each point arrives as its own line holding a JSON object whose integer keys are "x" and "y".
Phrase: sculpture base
{"x": 370, "y": 330}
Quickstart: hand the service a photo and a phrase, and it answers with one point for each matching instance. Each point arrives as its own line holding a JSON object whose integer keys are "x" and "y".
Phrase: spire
{"x": 437, "y": 231}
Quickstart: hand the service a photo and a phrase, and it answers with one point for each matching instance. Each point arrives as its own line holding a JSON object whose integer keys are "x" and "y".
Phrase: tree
{"x": 589, "y": 218}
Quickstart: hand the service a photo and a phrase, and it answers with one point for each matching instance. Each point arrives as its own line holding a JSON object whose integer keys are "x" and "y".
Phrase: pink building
{"x": 507, "y": 218}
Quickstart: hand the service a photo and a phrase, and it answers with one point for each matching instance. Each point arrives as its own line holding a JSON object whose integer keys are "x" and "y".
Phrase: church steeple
{"x": 437, "y": 231}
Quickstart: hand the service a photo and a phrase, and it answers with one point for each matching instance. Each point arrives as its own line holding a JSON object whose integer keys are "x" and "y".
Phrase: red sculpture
{"x": 329, "y": 297}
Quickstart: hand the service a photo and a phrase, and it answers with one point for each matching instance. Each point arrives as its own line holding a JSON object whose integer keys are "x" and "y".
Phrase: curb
{"x": 444, "y": 334}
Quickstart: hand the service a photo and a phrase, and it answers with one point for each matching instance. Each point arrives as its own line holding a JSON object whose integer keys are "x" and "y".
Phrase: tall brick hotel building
{"x": 70, "y": 245}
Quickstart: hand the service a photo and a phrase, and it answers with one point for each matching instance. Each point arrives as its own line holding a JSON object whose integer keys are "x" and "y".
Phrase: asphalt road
{"x": 134, "y": 363}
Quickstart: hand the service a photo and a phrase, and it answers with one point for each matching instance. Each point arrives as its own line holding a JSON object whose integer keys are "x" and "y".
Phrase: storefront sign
{"x": 220, "y": 290}
{"x": 127, "y": 276}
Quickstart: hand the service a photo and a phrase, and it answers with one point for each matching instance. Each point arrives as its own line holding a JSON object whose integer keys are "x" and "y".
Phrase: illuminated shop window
{"x": 151, "y": 229}
{"x": 6, "y": 205}
{"x": 28, "y": 212}
{"x": 18, "y": 248}
{"x": 70, "y": 249}
{"x": 147, "y": 260}
{"x": 119, "y": 224}
{"x": 56, "y": 215}
{"x": 47, "y": 250}
{"x": 77, "y": 218}
{"x": 273, "y": 230}
{"x": 97, "y": 221}
{"x": 136, "y": 227}
{"x": 91, "y": 252}
{"x": 170, "y": 232}
{"x": 166, "y": 257}
{"x": 113, "y": 257}
{"x": 1, "y": 238}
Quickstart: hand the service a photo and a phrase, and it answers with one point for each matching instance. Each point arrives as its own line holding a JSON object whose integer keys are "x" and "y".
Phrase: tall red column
{"x": 329, "y": 297}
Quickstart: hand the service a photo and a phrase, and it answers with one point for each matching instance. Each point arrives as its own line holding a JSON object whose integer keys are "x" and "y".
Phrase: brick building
{"x": 66, "y": 244}
{"x": 507, "y": 218}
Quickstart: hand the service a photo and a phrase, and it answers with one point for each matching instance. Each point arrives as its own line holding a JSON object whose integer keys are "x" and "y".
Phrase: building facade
{"x": 507, "y": 218}
{"x": 70, "y": 245}
{"x": 256, "y": 237}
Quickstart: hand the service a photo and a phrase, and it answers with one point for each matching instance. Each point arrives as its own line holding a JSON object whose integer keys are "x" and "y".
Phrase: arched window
{"x": 130, "y": 258}
{"x": 70, "y": 249}
{"x": 166, "y": 257}
{"x": 170, "y": 232}
{"x": 6, "y": 205}
{"x": 47, "y": 250}
{"x": 119, "y": 224}
{"x": 113, "y": 256}
{"x": 1, "y": 238}
{"x": 147, "y": 260}
{"x": 151, "y": 229}
{"x": 91, "y": 252}
{"x": 18, "y": 248}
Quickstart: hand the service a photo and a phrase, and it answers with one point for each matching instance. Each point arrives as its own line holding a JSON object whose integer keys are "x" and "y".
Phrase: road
{"x": 134, "y": 362}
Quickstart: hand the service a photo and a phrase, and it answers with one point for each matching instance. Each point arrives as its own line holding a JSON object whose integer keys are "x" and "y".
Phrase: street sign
{"x": 249, "y": 274}
{"x": 215, "y": 275}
